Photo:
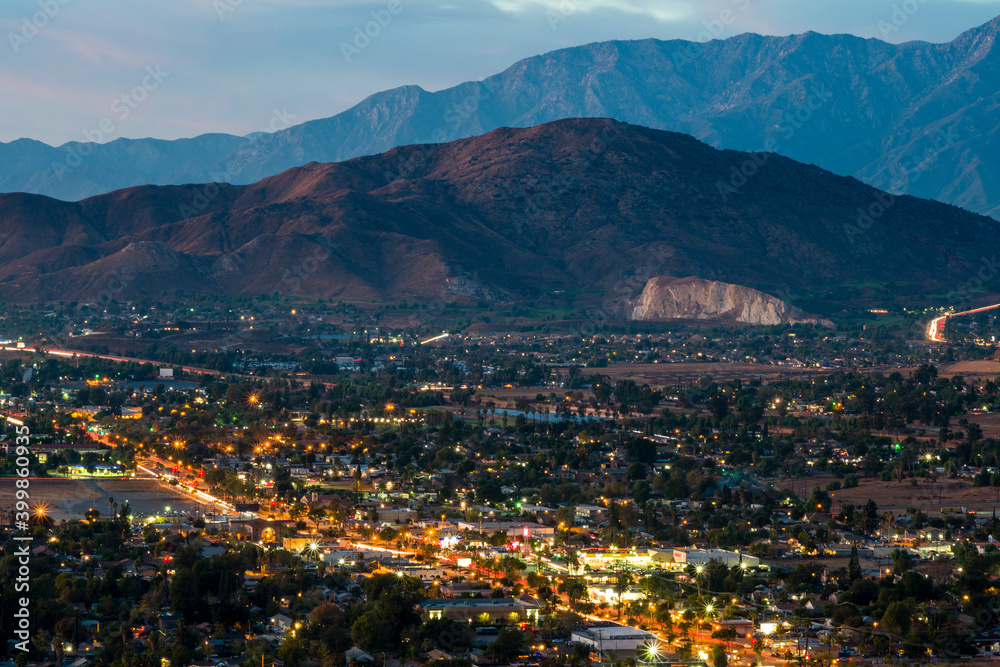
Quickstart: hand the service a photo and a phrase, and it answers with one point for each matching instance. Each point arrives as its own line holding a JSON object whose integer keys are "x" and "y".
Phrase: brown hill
{"x": 589, "y": 205}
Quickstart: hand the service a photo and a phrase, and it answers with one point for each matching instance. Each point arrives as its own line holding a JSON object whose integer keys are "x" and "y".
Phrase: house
{"x": 931, "y": 534}
{"x": 280, "y": 622}
{"x": 168, "y": 624}
{"x": 438, "y": 654}
{"x": 396, "y": 515}
{"x": 741, "y": 626}
{"x": 355, "y": 654}
{"x": 590, "y": 514}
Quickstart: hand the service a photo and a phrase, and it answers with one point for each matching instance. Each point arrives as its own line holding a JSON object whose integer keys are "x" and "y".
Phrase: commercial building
{"x": 516, "y": 530}
{"x": 701, "y": 557}
{"x": 617, "y": 640}
{"x": 470, "y": 609}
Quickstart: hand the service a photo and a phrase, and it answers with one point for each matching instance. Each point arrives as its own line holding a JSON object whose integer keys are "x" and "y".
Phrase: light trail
{"x": 192, "y": 490}
{"x": 431, "y": 340}
{"x": 935, "y": 330}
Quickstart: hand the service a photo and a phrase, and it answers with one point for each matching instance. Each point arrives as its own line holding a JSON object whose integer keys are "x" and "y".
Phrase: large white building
{"x": 702, "y": 557}
{"x": 614, "y": 639}
{"x": 605, "y": 593}
{"x": 668, "y": 559}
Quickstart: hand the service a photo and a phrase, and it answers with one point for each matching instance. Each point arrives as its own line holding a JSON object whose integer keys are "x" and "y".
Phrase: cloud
{"x": 661, "y": 10}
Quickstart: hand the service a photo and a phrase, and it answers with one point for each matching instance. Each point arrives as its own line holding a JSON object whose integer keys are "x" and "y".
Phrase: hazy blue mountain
{"x": 917, "y": 118}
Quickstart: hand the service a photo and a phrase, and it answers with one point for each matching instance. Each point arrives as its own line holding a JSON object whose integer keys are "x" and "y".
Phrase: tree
{"x": 719, "y": 657}
{"x": 512, "y": 567}
{"x": 636, "y": 471}
{"x": 574, "y": 589}
{"x": 854, "y": 566}
{"x": 896, "y": 619}
{"x": 581, "y": 655}
{"x": 297, "y": 510}
{"x": 622, "y": 582}
{"x": 316, "y": 514}
{"x": 641, "y": 492}
{"x": 869, "y": 517}
{"x": 718, "y": 405}
{"x": 508, "y": 644}
{"x": 371, "y": 631}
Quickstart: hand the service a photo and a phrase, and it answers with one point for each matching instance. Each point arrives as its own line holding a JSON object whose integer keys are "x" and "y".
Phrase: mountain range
{"x": 591, "y": 206}
{"x": 914, "y": 118}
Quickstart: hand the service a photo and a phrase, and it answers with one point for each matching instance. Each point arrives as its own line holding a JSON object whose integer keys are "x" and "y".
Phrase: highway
{"x": 162, "y": 470}
{"x": 935, "y": 330}
{"x": 187, "y": 369}
{"x": 111, "y": 357}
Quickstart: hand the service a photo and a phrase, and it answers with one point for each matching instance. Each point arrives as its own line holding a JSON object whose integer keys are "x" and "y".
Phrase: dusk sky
{"x": 227, "y": 65}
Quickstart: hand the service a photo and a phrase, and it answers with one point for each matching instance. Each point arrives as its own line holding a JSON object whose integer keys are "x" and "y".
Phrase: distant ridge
{"x": 915, "y": 118}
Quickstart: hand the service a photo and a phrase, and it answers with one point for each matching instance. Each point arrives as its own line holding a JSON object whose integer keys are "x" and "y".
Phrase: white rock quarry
{"x": 668, "y": 298}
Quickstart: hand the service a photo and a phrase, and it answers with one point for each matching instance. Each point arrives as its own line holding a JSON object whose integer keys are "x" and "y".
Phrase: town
{"x": 300, "y": 483}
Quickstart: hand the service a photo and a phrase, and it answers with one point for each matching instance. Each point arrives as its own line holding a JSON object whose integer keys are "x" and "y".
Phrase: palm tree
{"x": 622, "y": 583}
{"x": 572, "y": 560}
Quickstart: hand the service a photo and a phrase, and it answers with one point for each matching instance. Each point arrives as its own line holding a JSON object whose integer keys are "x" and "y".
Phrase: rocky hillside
{"x": 665, "y": 298}
{"x": 588, "y": 206}
{"x": 917, "y": 118}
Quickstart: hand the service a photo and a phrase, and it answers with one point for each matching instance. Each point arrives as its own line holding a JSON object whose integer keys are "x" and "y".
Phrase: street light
{"x": 652, "y": 651}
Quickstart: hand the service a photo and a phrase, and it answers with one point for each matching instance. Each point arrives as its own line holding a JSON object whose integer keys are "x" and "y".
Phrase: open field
{"x": 927, "y": 496}
{"x": 973, "y": 369}
{"x": 70, "y": 498}
{"x": 666, "y": 374}
{"x": 990, "y": 423}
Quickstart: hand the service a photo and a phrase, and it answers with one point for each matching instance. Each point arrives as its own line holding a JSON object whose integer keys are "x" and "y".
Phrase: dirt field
{"x": 972, "y": 369}
{"x": 668, "y": 374}
{"x": 990, "y": 423}
{"x": 70, "y": 498}
{"x": 927, "y": 496}
{"x": 661, "y": 375}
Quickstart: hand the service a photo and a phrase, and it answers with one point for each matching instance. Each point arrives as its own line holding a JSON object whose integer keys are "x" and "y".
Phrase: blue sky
{"x": 229, "y": 65}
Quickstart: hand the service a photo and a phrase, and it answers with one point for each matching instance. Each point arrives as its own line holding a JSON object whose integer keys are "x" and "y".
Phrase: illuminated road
{"x": 110, "y": 357}
{"x": 935, "y": 330}
{"x": 184, "y": 486}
